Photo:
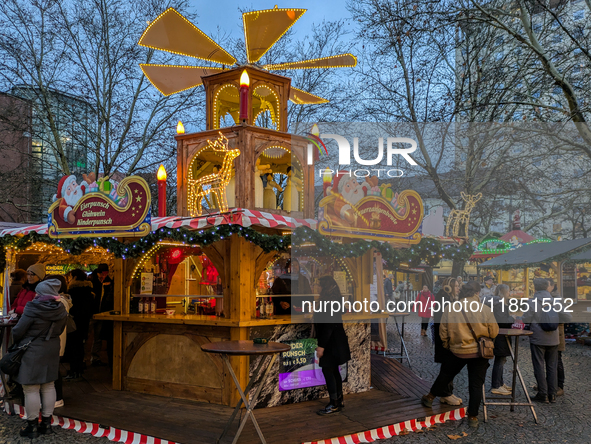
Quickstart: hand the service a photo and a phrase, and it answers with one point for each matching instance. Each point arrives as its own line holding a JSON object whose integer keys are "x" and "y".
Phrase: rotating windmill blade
{"x": 172, "y": 32}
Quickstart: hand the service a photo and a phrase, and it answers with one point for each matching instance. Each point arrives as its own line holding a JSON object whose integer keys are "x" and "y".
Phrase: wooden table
{"x": 403, "y": 354}
{"x": 512, "y": 333}
{"x": 246, "y": 348}
{"x": 4, "y": 327}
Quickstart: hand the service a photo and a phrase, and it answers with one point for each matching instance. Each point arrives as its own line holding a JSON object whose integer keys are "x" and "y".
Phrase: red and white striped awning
{"x": 236, "y": 216}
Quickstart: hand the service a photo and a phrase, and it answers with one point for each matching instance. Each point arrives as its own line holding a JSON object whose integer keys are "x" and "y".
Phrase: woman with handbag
{"x": 448, "y": 292}
{"x": 333, "y": 345}
{"x": 42, "y": 322}
{"x": 469, "y": 337}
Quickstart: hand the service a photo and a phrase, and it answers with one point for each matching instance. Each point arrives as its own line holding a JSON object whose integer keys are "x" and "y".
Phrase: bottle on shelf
{"x": 140, "y": 306}
{"x": 258, "y": 308}
{"x": 270, "y": 309}
{"x": 153, "y": 306}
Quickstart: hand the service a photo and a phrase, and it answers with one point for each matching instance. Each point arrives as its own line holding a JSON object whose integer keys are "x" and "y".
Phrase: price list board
{"x": 299, "y": 367}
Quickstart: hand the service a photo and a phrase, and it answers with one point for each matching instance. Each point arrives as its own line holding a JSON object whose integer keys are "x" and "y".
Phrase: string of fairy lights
{"x": 303, "y": 241}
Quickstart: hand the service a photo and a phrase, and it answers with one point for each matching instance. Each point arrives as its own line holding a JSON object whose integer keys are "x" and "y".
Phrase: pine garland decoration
{"x": 428, "y": 251}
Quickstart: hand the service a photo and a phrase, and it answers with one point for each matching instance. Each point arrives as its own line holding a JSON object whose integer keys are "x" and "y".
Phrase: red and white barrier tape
{"x": 96, "y": 430}
{"x": 386, "y": 432}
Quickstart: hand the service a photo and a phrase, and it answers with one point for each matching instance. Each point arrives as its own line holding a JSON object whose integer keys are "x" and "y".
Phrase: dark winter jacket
{"x": 27, "y": 294}
{"x": 441, "y": 353}
{"x": 533, "y": 316}
{"x": 505, "y": 320}
{"x": 40, "y": 363}
{"x": 388, "y": 290}
{"x": 332, "y": 337}
{"x": 290, "y": 284}
{"x": 83, "y": 304}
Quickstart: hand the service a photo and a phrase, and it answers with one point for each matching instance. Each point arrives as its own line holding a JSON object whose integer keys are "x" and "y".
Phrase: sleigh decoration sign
{"x": 370, "y": 211}
{"x": 100, "y": 207}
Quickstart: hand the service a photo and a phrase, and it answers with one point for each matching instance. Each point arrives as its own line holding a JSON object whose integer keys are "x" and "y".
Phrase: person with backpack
{"x": 544, "y": 315}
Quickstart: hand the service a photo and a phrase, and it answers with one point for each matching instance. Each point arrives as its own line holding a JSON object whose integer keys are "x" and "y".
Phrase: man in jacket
{"x": 489, "y": 288}
{"x": 104, "y": 301}
{"x": 544, "y": 342}
{"x": 388, "y": 291}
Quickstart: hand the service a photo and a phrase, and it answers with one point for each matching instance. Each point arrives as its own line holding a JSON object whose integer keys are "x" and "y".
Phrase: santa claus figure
{"x": 70, "y": 193}
{"x": 350, "y": 192}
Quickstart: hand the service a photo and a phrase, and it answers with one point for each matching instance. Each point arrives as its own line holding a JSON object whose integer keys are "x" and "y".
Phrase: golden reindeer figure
{"x": 214, "y": 183}
{"x": 462, "y": 217}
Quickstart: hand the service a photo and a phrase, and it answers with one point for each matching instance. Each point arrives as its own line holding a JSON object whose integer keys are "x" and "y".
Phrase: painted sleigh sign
{"x": 95, "y": 208}
{"x": 370, "y": 211}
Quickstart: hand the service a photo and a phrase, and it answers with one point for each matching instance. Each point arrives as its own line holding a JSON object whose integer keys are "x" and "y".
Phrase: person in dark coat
{"x": 35, "y": 274}
{"x": 448, "y": 292}
{"x": 44, "y": 316}
{"x": 505, "y": 320}
{"x": 289, "y": 284}
{"x": 104, "y": 298}
{"x": 17, "y": 279}
{"x": 80, "y": 290}
{"x": 333, "y": 345}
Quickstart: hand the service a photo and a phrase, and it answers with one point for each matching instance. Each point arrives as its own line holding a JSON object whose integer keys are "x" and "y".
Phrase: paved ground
{"x": 566, "y": 421}
{"x": 569, "y": 420}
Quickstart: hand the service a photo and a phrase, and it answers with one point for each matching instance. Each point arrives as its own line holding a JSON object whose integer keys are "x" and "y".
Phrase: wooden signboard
{"x": 89, "y": 209}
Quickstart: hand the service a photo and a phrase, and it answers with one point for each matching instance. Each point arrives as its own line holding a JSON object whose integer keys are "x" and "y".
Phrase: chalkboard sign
{"x": 299, "y": 368}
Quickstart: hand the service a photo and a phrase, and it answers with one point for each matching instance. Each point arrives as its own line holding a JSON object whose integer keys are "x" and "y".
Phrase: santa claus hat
{"x": 62, "y": 185}
{"x": 340, "y": 184}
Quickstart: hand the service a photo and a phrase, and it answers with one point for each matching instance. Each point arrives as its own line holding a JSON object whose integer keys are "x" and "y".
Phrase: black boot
{"x": 30, "y": 430}
{"x": 45, "y": 426}
{"x": 341, "y": 402}
{"x": 332, "y": 407}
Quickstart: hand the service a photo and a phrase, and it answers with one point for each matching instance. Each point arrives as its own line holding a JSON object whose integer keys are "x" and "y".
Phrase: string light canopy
{"x": 171, "y": 32}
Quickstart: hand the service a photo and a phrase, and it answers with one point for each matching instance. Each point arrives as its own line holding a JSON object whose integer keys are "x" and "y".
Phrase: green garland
{"x": 428, "y": 251}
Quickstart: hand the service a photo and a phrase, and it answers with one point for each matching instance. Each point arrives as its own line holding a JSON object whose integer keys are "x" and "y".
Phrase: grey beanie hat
{"x": 50, "y": 287}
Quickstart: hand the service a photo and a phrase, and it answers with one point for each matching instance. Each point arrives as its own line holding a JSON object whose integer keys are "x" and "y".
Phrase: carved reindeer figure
{"x": 457, "y": 218}
{"x": 216, "y": 182}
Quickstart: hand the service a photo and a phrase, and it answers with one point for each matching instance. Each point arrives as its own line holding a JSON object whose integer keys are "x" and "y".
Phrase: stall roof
{"x": 535, "y": 254}
{"x": 236, "y": 216}
{"x": 585, "y": 256}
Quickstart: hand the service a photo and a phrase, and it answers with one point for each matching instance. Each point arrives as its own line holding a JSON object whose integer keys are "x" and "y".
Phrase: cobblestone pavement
{"x": 568, "y": 420}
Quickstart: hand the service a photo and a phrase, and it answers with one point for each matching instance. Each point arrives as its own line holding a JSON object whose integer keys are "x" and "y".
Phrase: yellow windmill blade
{"x": 336, "y": 61}
{"x": 170, "y": 79}
{"x": 300, "y": 97}
{"x": 262, "y": 29}
{"x": 172, "y": 32}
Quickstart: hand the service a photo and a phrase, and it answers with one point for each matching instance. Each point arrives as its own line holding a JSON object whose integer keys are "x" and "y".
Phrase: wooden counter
{"x": 225, "y": 322}
{"x": 161, "y": 355}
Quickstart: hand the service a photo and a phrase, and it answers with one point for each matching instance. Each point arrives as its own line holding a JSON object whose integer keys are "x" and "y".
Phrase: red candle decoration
{"x": 161, "y": 176}
{"x": 244, "y": 87}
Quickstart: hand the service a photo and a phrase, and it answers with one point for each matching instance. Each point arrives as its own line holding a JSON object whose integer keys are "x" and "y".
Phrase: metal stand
{"x": 403, "y": 354}
{"x": 516, "y": 372}
{"x": 249, "y": 405}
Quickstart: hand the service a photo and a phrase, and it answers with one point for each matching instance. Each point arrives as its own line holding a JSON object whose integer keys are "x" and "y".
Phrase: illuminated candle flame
{"x": 161, "y": 175}
{"x": 244, "y": 79}
{"x": 315, "y": 131}
{"x": 180, "y": 129}
{"x": 327, "y": 176}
